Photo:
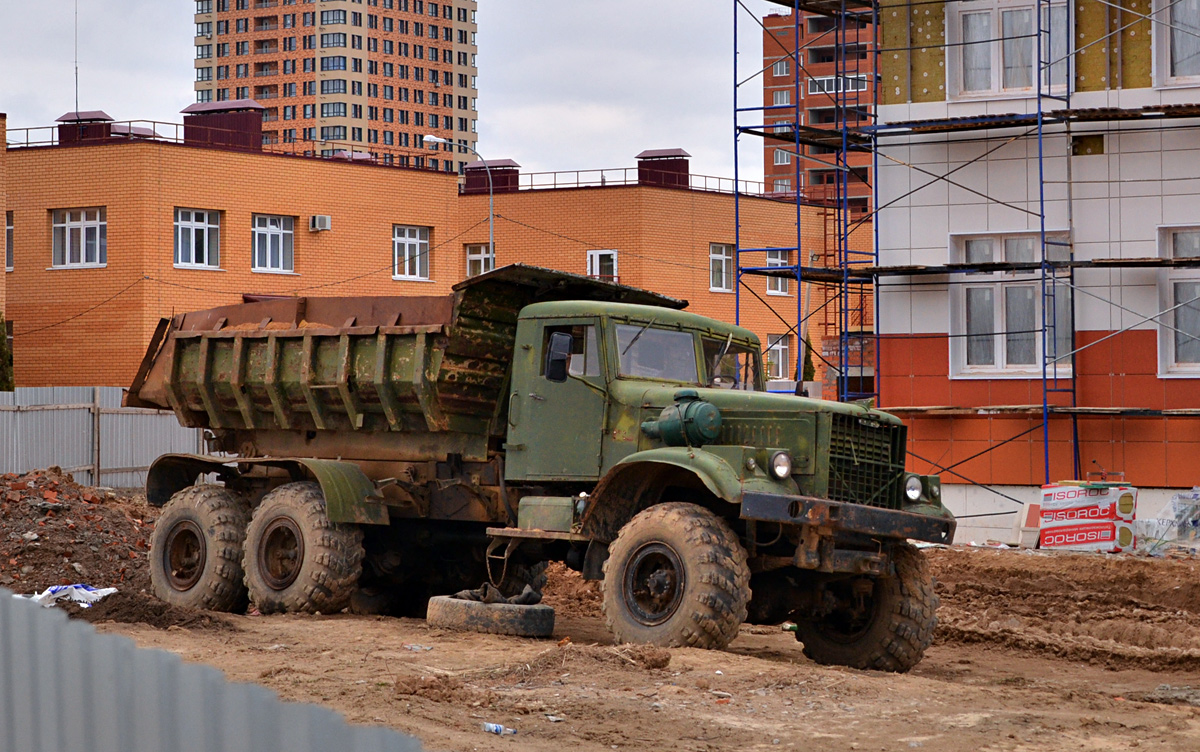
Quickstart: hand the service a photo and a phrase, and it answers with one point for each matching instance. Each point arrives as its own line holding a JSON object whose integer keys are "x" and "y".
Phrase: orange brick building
{"x": 113, "y": 233}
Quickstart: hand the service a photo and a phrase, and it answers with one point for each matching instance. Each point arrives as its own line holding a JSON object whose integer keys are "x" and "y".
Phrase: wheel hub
{"x": 281, "y": 553}
{"x": 653, "y": 584}
{"x": 184, "y": 555}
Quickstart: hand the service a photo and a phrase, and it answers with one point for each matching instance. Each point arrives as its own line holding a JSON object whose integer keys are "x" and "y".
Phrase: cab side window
{"x": 585, "y": 350}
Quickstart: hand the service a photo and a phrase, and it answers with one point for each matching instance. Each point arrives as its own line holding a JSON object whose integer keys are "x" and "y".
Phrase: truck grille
{"x": 866, "y": 462}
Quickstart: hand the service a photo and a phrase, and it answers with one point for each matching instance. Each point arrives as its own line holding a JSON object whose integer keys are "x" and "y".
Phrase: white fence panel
{"x": 65, "y": 688}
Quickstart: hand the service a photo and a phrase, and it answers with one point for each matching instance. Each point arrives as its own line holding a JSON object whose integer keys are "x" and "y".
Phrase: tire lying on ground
{"x": 490, "y": 618}
{"x": 676, "y": 576}
{"x": 196, "y": 549}
{"x": 296, "y": 559}
{"x": 893, "y": 629}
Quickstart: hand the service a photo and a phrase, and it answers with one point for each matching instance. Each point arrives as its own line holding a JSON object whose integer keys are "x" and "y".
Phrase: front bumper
{"x": 833, "y": 516}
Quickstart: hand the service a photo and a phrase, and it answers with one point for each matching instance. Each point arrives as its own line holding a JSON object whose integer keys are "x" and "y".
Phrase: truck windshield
{"x": 737, "y": 367}
{"x": 657, "y": 353}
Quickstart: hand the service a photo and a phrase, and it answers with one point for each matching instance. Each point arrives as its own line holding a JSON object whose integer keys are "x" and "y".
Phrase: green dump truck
{"x": 372, "y": 452}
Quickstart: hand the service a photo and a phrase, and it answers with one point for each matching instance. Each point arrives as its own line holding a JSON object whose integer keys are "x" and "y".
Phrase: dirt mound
{"x": 443, "y": 688}
{"x": 569, "y": 594}
{"x": 1114, "y": 611}
{"x": 133, "y": 608}
{"x": 55, "y": 532}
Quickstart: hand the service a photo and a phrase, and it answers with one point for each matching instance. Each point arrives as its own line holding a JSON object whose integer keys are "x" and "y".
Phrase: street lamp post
{"x": 491, "y": 192}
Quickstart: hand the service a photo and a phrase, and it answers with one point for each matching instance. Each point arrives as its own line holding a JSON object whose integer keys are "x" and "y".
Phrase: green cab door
{"x": 555, "y": 427}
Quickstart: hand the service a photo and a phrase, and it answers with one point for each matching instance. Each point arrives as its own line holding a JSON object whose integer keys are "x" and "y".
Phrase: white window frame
{"x": 782, "y": 156}
{"x": 954, "y": 50}
{"x": 73, "y": 230}
{"x": 778, "y": 367}
{"x": 8, "y": 241}
{"x": 481, "y": 259}
{"x": 271, "y": 233}
{"x": 720, "y": 262}
{"x": 782, "y": 67}
{"x": 410, "y": 253}
{"x": 999, "y": 282}
{"x": 781, "y": 185}
{"x": 1163, "y": 44}
{"x": 595, "y": 264}
{"x": 836, "y": 84}
{"x": 778, "y": 285}
{"x": 1167, "y": 324}
{"x": 197, "y": 225}
{"x": 781, "y": 97}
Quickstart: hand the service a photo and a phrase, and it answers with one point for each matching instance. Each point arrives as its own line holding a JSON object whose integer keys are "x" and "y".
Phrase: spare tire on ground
{"x": 490, "y": 618}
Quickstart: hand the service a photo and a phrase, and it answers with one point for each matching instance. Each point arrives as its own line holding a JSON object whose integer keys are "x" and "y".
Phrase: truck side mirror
{"x": 558, "y": 356}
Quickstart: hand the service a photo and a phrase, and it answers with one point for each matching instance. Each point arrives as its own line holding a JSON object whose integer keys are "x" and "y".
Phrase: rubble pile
{"x": 55, "y": 532}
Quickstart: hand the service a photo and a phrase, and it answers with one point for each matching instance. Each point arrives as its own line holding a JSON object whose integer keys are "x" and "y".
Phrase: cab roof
{"x": 639, "y": 314}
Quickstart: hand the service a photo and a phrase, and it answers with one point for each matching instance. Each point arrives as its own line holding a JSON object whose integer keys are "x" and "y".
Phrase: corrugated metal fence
{"x": 80, "y": 428}
{"x": 65, "y": 688}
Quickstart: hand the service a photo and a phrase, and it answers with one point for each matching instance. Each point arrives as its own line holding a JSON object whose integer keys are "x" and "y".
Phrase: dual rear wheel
{"x": 209, "y": 551}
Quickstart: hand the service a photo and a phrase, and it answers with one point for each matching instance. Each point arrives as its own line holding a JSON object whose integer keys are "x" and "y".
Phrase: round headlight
{"x": 912, "y": 488}
{"x": 781, "y": 465}
{"x": 935, "y": 490}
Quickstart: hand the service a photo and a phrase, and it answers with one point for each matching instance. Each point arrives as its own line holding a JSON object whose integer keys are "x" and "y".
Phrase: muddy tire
{"x": 196, "y": 550}
{"x": 296, "y": 560}
{"x": 891, "y": 633}
{"x": 490, "y": 618}
{"x": 676, "y": 576}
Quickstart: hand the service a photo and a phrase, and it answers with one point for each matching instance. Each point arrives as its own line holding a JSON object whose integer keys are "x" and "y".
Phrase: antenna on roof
{"x": 77, "y": 57}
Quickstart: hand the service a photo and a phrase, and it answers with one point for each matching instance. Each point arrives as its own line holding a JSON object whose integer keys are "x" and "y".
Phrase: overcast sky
{"x": 563, "y": 85}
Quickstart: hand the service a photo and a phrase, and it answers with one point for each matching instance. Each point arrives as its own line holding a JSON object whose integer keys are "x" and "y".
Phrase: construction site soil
{"x": 1034, "y": 650}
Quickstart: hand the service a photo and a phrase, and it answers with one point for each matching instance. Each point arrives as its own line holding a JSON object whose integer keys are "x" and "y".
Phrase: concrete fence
{"x": 86, "y": 432}
{"x": 66, "y": 688}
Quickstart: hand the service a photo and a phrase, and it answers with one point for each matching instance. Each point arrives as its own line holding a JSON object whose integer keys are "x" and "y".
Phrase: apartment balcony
{"x": 265, "y": 49}
{"x": 266, "y": 72}
{"x": 259, "y": 4}
{"x": 262, "y": 24}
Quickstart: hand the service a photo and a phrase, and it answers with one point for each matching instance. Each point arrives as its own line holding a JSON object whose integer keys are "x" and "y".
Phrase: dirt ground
{"x": 1033, "y": 651}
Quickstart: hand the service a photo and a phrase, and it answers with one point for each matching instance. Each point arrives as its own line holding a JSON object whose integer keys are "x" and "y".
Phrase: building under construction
{"x": 1036, "y": 272}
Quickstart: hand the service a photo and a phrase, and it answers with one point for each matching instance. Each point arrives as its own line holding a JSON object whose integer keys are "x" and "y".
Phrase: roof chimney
{"x": 506, "y": 176}
{"x": 667, "y": 167}
{"x": 92, "y": 125}
{"x": 232, "y": 124}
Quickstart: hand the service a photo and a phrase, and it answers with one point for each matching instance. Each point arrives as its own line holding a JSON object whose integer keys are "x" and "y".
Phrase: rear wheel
{"x": 676, "y": 576}
{"x": 296, "y": 559}
{"x": 884, "y": 623}
{"x": 196, "y": 550}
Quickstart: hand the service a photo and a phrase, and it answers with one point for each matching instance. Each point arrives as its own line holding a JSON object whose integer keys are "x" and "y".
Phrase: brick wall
{"x": 91, "y": 325}
{"x": 3, "y": 205}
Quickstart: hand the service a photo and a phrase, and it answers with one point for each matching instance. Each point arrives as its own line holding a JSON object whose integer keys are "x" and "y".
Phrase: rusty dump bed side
{"x": 421, "y": 363}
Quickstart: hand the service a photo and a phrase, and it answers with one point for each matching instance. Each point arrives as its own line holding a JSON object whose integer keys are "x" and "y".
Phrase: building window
{"x": 333, "y": 109}
{"x": 197, "y": 238}
{"x": 781, "y": 97}
{"x": 8, "y": 241}
{"x": 333, "y": 86}
{"x": 720, "y": 267}
{"x": 777, "y": 285}
{"x": 272, "y": 242}
{"x": 602, "y": 265}
{"x": 410, "y": 252}
{"x": 480, "y": 259}
{"x": 333, "y": 133}
{"x": 1179, "y": 331}
{"x": 333, "y": 40}
{"x": 204, "y": 51}
{"x": 333, "y": 17}
{"x": 836, "y": 84}
{"x": 204, "y": 74}
{"x": 204, "y": 95}
{"x": 782, "y": 67}
{"x": 993, "y": 46}
{"x": 333, "y": 63}
{"x": 1177, "y": 43}
{"x": 779, "y": 358}
{"x": 783, "y": 185}
{"x": 80, "y": 237}
{"x": 783, "y": 156}
{"x": 998, "y": 314}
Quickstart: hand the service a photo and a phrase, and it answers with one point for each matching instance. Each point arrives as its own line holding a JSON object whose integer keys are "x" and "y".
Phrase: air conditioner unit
{"x": 319, "y": 222}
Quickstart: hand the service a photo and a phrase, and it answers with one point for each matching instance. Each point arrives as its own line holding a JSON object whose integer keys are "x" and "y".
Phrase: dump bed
{"x": 420, "y": 363}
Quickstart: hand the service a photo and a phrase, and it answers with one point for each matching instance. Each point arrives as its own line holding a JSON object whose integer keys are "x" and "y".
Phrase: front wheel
{"x": 884, "y": 624}
{"x": 296, "y": 559}
{"x": 676, "y": 576}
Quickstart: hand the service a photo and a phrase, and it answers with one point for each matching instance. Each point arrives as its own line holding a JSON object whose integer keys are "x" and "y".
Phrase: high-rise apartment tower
{"x": 359, "y": 75}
